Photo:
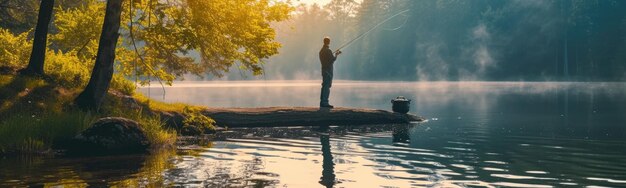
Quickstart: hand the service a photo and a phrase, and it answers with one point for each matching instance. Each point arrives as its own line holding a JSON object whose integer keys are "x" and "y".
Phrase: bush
{"x": 14, "y": 49}
{"x": 193, "y": 118}
{"x": 151, "y": 124}
{"x": 123, "y": 85}
{"x": 67, "y": 70}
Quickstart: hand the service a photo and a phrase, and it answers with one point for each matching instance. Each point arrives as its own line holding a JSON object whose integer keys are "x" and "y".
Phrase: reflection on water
{"x": 292, "y": 157}
{"x": 122, "y": 171}
{"x": 478, "y": 135}
{"x": 371, "y": 157}
{"x": 328, "y": 165}
{"x": 400, "y": 135}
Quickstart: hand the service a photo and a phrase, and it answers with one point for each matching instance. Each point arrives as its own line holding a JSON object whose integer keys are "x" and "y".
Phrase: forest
{"x": 451, "y": 40}
{"x": 438, "y": 40}
{"x": 70, "y": 65}
{"x": 145, "y": 41}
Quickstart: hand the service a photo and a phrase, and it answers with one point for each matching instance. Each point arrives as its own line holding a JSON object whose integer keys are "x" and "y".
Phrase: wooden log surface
{"x": 304, "y": 116}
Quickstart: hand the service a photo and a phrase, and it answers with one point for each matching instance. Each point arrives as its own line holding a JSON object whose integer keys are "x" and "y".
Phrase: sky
{"x": 321, "y": 2}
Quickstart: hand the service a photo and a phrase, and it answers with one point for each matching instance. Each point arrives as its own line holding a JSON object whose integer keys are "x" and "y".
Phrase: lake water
{"x": 478, "y": 134}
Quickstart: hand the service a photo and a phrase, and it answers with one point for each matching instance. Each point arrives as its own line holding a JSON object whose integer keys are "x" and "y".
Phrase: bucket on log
{"x": 400, "y": 104}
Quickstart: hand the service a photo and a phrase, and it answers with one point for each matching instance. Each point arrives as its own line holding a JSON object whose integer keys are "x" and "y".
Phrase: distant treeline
{"x": 578, "y": 40}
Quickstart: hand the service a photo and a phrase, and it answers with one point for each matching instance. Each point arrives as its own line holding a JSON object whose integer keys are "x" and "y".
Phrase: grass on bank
{"x": 30, "y": 133}
{"x": 35, "y": 112}
{"x": 162, "y": 106}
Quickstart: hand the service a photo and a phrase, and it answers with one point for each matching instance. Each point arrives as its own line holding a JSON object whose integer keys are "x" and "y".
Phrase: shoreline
{"x": 304, "y": 116}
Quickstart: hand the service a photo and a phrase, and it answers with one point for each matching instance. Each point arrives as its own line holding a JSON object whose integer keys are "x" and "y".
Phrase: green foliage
{"x": 222, "y": 33}
{"x": 123, "y": 85}
{"x": 78, "y": 29}
{"x": 14, "y": 49}
{"x": 67, "y": 69}
{"x": 193, "y": 36}
{"x": 151, "y": 124}
{"x": 194, "y": 118}
{"x": 34, "y": 114}
{"x": 30, "y": 133}
{"x": 173, "y": 39}
{"x": 18, "y": 15}
{"x": 4, "y": 80}
{"x": 21, "y": 15}
{"x": 35, "y": 134}
{"x": 157, "y": 135}
{"x": 158, "y": 105}
{"x": 176, "y": 38}
{"x": 218, "y": 34}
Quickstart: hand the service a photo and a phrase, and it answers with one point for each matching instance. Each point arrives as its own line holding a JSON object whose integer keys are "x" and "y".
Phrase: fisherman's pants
{"x": 327, "y": 82}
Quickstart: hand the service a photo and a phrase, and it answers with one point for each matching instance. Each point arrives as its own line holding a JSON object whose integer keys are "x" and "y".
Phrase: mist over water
{"x": 511, "y": 134}
{"x": 478, "y": 134}
{"x": 589, "y": 105}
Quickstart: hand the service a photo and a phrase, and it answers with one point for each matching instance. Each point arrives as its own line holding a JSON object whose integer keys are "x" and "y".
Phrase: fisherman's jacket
{"x": 327, "y": 58}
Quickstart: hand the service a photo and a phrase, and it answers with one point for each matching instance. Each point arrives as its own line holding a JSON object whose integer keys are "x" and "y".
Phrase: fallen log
{"x": 304, "y": 116}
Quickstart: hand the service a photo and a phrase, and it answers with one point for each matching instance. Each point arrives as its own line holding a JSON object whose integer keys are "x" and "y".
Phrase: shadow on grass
{"x": 32, "y": 96}
{"x": 30, "y": 114}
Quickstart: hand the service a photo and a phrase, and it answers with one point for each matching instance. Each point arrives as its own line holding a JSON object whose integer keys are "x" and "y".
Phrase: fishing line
{"x": 399, "y": 27}
{"x": 371, "y": 29}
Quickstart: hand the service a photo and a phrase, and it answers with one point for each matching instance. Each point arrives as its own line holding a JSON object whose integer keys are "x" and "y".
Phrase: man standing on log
{"x": 327, "y": 58}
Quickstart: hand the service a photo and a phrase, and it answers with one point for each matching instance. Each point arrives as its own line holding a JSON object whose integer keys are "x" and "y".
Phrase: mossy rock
{"x": 111, "y": 135}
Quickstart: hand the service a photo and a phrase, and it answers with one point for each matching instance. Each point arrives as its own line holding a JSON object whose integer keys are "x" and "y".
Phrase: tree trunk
{"x": 102, "y": 72}
{"x": 38, "y": 54}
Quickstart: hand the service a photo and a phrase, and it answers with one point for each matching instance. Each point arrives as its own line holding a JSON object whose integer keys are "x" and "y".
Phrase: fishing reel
{"x": 338, "y": 52}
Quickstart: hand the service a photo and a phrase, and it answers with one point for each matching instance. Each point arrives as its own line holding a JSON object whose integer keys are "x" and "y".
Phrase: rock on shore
{"x": 111, "y": 135}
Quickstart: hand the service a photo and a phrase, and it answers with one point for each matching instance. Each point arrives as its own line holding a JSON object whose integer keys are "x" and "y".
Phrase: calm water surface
{"x": 478, "y": 134}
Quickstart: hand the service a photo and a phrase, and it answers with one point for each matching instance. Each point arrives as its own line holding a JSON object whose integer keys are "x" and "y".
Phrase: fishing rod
{"x": 371, "y": 29}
